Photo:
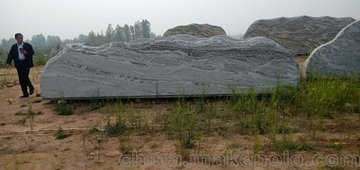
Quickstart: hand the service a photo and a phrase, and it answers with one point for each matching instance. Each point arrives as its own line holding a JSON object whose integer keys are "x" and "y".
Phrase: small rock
{"x": 92, "y": 154}
{"x": 6, "y": 137}
{"x": 114, "y": 153}
{"x": 9, "y": 85}
{"x": 36, "y": 101}
{"x": 10, "y": 101}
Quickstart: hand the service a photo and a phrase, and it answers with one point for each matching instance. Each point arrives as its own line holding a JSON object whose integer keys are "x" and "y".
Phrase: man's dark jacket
{"x": 13, "y": 55}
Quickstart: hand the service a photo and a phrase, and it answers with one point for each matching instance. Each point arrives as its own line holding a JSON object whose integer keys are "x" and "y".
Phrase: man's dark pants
{"x": 23, "y": 73}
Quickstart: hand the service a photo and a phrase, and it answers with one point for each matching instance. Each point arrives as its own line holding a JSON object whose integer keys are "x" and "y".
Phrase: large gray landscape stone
{"x": 166, "y": 67}
{"x": 300, "y": 35}
{"x": 339, "y": 57}
{"x": 197, "y": 30}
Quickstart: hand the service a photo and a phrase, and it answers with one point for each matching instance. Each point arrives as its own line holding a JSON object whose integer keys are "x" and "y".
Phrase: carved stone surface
{"x": 300, "y": 35}
{"x": 168, "y": 67}
{"x": 197, "y": 30}
{"x": 339, "y": 57}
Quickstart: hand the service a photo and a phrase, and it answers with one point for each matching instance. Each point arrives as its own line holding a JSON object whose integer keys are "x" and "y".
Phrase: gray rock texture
{"x": 197, "y": 30}
{"x": 167, "y": 67}
{"x": 300, "y": 35}
{"x": 338, "y": 57}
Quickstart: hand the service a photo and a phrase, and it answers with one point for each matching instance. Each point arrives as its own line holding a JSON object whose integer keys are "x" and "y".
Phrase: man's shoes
{"x": 31, "y": 91}
{"x": 25, "y": 96}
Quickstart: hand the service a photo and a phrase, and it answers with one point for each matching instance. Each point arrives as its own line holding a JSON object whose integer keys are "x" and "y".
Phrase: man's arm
{"x": 10, "y": 56}
{"x": 29, "y": 50}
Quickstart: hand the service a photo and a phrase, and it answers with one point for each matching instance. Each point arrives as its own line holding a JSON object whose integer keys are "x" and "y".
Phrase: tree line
{"x": 44, "y": 45}
{"x": 141, "y": 29}
{"x": 38, "y": 41}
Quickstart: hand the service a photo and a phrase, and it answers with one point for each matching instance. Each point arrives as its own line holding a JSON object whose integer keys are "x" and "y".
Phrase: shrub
{"x": 181, "y": 123}
{"x": 60, "y": 134}
{"x": 326, "y": 95}
{"x": 116, "y": 129}
{"x": 63, "y": 108}
{"x": 41, "y": 60}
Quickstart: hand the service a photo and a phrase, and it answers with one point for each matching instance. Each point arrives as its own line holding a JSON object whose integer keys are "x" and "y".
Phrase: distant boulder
{"x": 339, "y": 57}
{"x": 197, "y": 30}
{"x": 300, "y": 35}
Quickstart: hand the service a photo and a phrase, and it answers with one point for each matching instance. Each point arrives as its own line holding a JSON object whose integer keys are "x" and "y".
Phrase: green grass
{"x": 115, "y": 129}
{"x": 328, "y": 95}
{"x": 287, "y": 143}
{"x": 281, "y": 111}
{"x": 60, "y": 134}
{"x": 257, "y": 147}
{"x": 3, "y": 57}
{"x": 2, "y": 63}
{"x": 314, "y": 98}
{"x": 181, "y": 123}
{"x": 275, "y": 112}
{"x": 335, "y": 145}
{"x": 41, "y": 60}
{"x": 63, "y": 107}
{"x": 5, "y": 79}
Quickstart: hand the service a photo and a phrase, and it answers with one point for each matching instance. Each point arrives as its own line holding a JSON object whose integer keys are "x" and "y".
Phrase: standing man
{"x": 22, "y": 54}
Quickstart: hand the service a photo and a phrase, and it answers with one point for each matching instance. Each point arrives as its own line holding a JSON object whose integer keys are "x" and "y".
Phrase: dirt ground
{"x": 29, "y": 141}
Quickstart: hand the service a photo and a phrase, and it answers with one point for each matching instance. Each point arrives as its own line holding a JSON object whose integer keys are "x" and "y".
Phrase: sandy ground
{"x": 29, "y": 142}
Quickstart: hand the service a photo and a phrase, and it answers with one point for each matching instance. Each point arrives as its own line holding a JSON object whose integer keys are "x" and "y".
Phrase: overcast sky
{"x": 69, "y": 18}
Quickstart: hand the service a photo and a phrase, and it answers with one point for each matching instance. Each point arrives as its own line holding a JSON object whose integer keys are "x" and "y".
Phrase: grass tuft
{"x": 63, "y": 107}
{"x": 60, "y": 134}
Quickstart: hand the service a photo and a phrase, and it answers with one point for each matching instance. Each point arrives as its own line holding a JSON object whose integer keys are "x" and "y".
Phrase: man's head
{"x": 19, "y": 38}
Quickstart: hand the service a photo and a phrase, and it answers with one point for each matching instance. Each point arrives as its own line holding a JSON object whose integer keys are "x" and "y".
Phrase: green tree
{"x": 152, "y": 35}
{"x": 6, "y": 44}
{"x": 109, "y": 34}
{"x": 145, "y": 28}
{"x": 83, "y": 38}
{"x": 100, "y": 38}
{"x": 80, "y": 39}
{"x": 132, "y": 31}
{"x": 119, "y": 33}
{"x": 52, "y": 41}
{"x": 92, "y": 38}
{"x": 127, "y": 32}
{"x": 138, "y": 30}
{"x": 38, "y": 41}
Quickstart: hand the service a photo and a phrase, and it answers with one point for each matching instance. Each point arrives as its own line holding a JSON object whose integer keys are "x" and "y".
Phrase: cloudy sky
{"x": 69, "y": 18}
